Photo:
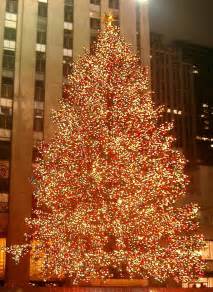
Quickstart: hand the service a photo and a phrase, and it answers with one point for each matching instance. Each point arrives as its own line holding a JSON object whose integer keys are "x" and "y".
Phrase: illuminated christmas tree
{"x": 107, "y": 186}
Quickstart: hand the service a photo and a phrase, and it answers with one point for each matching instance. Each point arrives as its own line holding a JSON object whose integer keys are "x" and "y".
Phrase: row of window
{"x": 5, "y": 117}
{"x": 68, "y": 37}
{"x": 7, "y": 86}
{"x": 39, "y": 89}
{"x": 6, "y": 120}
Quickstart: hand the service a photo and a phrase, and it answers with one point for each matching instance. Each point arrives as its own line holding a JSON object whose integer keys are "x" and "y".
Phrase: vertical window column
{"x": 95, "y": 21}
{"x": 6, "y": 103}
{"x": 138, "y": 37}
{"x": 39, "y": 93}
{"x": 68, "y": 38}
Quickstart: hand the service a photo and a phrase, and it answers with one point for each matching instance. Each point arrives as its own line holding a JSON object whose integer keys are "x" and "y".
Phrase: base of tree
{"x": 119, "y": 283}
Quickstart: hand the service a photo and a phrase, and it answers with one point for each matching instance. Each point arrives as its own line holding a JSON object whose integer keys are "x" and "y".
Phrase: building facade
{"x": 38, "y": 41}
{"x": 173, "y": 87}
{"x": 181, "y": 83}
{"x": 202, "y": 60}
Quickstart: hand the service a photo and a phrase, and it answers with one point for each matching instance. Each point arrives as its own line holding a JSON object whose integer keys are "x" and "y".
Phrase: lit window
{"x": 206, "y": 122}
{"x": 205, "y": 105}
{"x": 195, "y": 70}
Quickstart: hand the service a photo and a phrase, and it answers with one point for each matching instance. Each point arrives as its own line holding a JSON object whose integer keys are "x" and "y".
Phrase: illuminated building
{"x": 182, "y": 80}
{"x": 173, "y": 86}
{"x": 202, "y": 60}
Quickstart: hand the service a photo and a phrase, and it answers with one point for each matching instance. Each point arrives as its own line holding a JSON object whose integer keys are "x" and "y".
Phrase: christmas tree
{"x": 107, "y": 186}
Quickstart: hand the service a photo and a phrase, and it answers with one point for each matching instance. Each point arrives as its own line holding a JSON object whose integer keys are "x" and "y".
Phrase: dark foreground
{"x": 105, "y": 289}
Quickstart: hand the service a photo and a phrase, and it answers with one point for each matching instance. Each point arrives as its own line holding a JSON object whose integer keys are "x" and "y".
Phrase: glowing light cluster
{"x": 108, "y": 183}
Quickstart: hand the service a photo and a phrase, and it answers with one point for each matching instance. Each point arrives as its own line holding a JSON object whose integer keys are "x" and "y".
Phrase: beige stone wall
{"x": 22, "y": 136}
{"x": 128, "y": 21}
{"x": 54, "y": 59}
{"x": 81, "y": 27}
{"x": 144, "y": 34}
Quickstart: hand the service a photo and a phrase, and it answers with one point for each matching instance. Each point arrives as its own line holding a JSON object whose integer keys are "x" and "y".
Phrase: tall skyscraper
{"x": 202, "y": 60}
{"x": 182, "y": 81}
{"x": 39, "y": 39}
{"x": 173, "y": 86}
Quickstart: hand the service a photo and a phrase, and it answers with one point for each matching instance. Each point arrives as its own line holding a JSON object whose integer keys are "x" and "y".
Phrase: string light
{"x": 108, "y": 183}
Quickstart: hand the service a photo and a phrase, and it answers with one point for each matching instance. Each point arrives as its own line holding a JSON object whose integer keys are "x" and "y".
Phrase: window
{"x": 114, "y": 4}
{"x": 116, "y": 21}
{"x": 38, "y": 120}
{"x": 95, "y": 23}
{"x": 41, "y": 37}
{"x": 9, "y": 60}
{"x": 11, "y": 6}
{"x": 5, "y": 117}
{"x": 42, "y": 9}
{"x": 68, "y": 13}
{"x": 67, "y": 66}
{"x": 96, "y": 2}
{"x": 39, "y": 90}
{"x": 93, "y": 39}
{"x": 5, "y": 150}
{"x": 68, "y": 2}
{"x": 7, "y": 87}
{"x": 40, "y": 62}
{"x": 67, "y": 39}
{"x": 10, "y": 34}
{"x": 4, "y": 185}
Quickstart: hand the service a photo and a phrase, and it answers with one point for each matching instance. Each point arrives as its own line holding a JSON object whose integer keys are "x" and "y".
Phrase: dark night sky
{"x": 189, "y": 20}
